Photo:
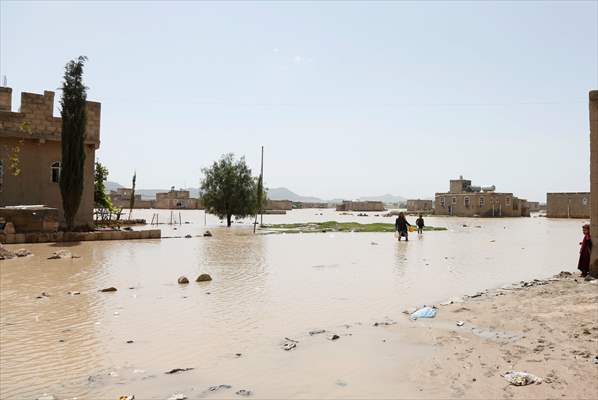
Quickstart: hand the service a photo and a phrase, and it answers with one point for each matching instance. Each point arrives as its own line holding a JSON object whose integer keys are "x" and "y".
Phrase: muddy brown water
{"x": 264, "y": 288}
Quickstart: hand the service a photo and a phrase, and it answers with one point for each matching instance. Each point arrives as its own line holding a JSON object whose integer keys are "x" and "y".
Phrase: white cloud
{"x": 275, "y": 50}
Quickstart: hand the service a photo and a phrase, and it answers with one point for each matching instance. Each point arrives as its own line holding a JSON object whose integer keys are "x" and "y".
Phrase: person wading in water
{"x": 402, "y": 227}
{"x": 584, "y": 253}
{"x": 420, "y": 224}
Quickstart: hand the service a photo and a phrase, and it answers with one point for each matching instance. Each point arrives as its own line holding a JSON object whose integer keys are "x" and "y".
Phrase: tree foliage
{"x": 100, "y": 198}
{"x": 74, "y": 119}
{"x": 228, "y": 189}
{"x": 132, "y": 199}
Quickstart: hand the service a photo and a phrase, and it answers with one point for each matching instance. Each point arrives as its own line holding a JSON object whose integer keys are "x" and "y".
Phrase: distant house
{"x": 31, "y": 154}
{"x": 303, "y": 204}
{"x": 173, "y": 199}
{"x": 361, "y": 206}
{"x": 568, "y": 205}
{"x": 417, "y": 205}
{"x": 465, "y": 200}
{"x": 279, "y": 205}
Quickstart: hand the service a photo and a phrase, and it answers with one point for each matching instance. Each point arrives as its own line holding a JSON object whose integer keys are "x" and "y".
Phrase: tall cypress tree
{"x": 74, "y": 119}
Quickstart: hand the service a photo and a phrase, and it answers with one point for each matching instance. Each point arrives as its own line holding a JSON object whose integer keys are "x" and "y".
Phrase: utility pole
{"x": 260, "y": 187}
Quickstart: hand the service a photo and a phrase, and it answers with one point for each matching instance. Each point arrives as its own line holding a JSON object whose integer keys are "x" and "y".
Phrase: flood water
{"x": 264, "y": 288}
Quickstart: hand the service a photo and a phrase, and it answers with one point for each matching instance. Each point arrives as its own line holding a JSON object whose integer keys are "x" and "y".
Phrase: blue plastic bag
{"x": 426, "y": 312}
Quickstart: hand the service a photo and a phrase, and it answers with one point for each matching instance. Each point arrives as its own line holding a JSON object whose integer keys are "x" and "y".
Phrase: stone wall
{"x": 568, "y": 205}
{"x": 37, "y": 219}
{"x": 285, "y": 205}
{"x": 593, "y": 100}
{"x": 361, "y": 206}
{"x": 418, "y": 205}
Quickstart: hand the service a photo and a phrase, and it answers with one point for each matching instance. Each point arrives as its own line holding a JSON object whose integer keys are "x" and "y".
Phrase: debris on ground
{"x": 518, "y": 378}
{"x": 187, "y": 236}
{"x": 207, "y": 234}
{"x": 182, "y": 280}
{"x": 243, "y": 392}
{"x": 46, "y": 396}
{"x": 425, "y": 312}
{"x": 176, "y": 370}
{"x": 203, "y": 278}
{"x": 290, "y": 344}
{"x": 57, "y": 255}
{"x": 23, "y": 253}
{"x": 460, "y": 323}
{"x": 178, "y": 396}
{"x": 219, "y": 387}
{"x": 334, "y": 337}
{"x": 316, "y": 332}
{"x": 127, "y": 397}
{"x": 74, "y": 293}
{"x": 130, "y": 341}
{"x": 108, "y": 289}
{"x": 385, "y": 323}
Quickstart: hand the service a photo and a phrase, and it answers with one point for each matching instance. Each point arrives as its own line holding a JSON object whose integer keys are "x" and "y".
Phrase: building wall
{"x": 36, "y": 133}
{"x": 568, "y": 205}
{"x": 33, "y": 184}
{"x": 303, "y": 204}
{"x": 361, "y": 206}
{"x": 419, "y": 205}
{"x": 493, "y": 204}
{"x": 593, "y": 106}
{"x": 279, "y": 205}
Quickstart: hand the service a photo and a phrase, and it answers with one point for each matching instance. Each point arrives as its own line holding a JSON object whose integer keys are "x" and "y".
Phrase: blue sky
{"x": 348, "y": 98}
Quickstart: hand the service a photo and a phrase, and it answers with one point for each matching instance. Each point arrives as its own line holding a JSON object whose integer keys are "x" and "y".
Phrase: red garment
{"x": 584, "y": 254}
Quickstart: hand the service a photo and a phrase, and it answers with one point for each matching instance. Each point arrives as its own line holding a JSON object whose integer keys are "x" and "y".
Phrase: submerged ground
{"x": 264, "y": 288}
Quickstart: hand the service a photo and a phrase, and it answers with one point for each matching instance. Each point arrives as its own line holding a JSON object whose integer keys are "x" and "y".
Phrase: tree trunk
{"x": 229, "y": 218}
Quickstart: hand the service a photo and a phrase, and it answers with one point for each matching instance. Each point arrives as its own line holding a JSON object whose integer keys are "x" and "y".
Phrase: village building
{"x": 31, "y": 154}
{"x": 305, "y": 204}
{"x": 173, "y": 199}
{"x": 568, "y": 205}
{"x": 465, "y": 200}
{"x": 361, "y": 206}
{"x": 420, "y": 206}
{"x": 278, "y": 205}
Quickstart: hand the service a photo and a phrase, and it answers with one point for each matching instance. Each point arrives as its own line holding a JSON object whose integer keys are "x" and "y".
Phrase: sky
{"x": 349, "y": 99}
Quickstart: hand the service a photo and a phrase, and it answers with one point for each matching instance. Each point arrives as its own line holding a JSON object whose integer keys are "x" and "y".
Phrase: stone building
{"x": 361, "y": 206}
{"x": 176, "y": 199}
{"x": 465, "y": 200}
{"x": 417, "y": 205}
{"x": 121, "y": 198}
{"x": 305, "y": 204}
{"x": 279, "y": 205}
{"x": 31, "y": 153}
{"x": 593, "y": 106}
{"x": 568, "y": 205}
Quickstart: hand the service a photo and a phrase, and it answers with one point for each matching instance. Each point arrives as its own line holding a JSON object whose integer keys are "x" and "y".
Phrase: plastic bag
{"x": 426, "y": 312}
{"x": 519, "y": 378}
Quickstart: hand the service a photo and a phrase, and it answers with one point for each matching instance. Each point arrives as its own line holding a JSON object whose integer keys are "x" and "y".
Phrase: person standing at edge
{"x": 402, "y": 227}
{"x": 584, "y": 253}
{"x": 420, "y": 225}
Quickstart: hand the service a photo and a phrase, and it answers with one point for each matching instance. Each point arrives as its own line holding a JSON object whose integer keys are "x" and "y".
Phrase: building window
{"x": 56, "y": 172}
{"x": 1, "y": 175}
{"x": 454, "y": 200}
{"x": 466, "y": 200}
{"x": 584, "y": 200}
{"x": 482, "y": 201}
{"x": 442, "y": 202}
{"x": 508, "y": 201}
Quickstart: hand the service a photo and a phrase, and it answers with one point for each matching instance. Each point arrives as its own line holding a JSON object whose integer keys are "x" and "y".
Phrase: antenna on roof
{"x": 4, "y": 81}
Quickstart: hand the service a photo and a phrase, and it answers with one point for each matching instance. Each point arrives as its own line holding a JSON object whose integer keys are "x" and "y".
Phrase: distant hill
{"x": 385, "y": 198}
{"x": 285, "y": 194}
{"x": 280, "y": 193}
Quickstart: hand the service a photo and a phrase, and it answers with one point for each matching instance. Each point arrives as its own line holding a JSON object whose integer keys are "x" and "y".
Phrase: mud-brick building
{"x": 568, "y": 205}
{"x": 361, "y": 206}
{"x": 465, "y": 200}
{"x": 31, "y": 153}
{"x": 121, "y": 198}
{"x": 418, "y": 205}
{"x": 279, "y": 205}
{"x": 176, "y": 199}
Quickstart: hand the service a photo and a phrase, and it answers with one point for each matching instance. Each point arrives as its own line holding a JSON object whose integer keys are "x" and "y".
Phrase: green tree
{"x": 74, "y": 119}
{"x": 100, "y": 197}
{"x": 228, "y": 189}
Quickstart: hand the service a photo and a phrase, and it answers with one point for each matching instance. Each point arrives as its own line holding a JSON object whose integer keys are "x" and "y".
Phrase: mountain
{"x": 285, "y": 194}
{"x": 385, "y": 198}
{"x": 112, "y": 186}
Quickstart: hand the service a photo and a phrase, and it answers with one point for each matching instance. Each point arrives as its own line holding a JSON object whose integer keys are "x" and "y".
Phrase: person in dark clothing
{"x": 420, "y": 224}
{"x": 402, "y": 227}
{"x": 584, "y": 253}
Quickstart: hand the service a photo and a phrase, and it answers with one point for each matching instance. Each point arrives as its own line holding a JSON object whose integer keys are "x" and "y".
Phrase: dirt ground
{"x": 549, "y": 329}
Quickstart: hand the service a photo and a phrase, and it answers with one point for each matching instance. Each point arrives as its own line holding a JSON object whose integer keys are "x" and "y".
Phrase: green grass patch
{"x": 334, "y": 226}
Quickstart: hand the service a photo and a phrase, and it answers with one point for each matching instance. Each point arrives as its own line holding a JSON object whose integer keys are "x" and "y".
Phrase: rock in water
{"x": 176, "y": 370}
{"x": 203, "y": 278}
{"x": 60, "y": 254}
{"x": 207, "y": 234}
{"x": 188, "y": 236}
{"x": 243, "y": 392}
{"x": 22, "y": 253}
{"x": 182, "y": 280}
{"x": 109, "y": 289}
